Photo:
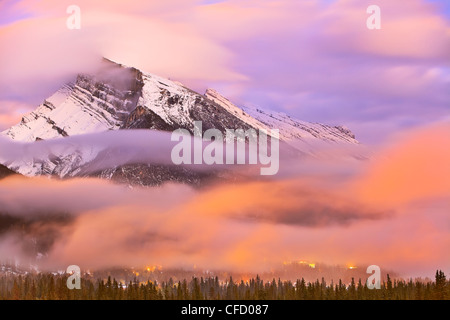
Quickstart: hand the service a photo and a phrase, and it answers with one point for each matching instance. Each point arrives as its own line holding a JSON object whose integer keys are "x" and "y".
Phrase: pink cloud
{"x": 11, "y": 112}
{"x": 40, "y": 53}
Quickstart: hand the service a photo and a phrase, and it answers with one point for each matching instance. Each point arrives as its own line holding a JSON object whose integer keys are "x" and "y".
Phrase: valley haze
{"x": 114, "y": 150}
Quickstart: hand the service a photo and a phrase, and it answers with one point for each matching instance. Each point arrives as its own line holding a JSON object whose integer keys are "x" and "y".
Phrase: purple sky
{"x": 315, "y": 60}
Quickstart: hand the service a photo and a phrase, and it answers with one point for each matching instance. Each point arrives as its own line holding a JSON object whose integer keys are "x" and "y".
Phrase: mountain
{"x": 5, "y": 172}
{"x": 117, "y": 97}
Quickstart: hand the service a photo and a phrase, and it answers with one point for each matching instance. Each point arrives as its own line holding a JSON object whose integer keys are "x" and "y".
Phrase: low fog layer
{"x": 391, "y": 210}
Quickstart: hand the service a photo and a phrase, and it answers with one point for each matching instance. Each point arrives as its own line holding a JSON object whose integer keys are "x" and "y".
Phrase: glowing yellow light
{"x": 312, "y": 265}
{"x": 153, "y": 268}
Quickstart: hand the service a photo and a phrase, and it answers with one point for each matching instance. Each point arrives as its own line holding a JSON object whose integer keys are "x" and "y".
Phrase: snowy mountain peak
{"x": 120, "y": 97}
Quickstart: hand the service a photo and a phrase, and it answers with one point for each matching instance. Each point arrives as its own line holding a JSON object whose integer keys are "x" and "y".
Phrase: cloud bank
{"x": 375, "y": 215}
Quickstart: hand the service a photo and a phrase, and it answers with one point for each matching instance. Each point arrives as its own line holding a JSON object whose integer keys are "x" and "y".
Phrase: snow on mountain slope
{"x": 154, "y": 94}
{"x": 92, "y": 103}
{"x": 72, "y": 110}
{"x": 233, "y": 109}
{"x": 119, "y": 97}
{"x": 289, "y": 128}
{"x": 174, "y": 106}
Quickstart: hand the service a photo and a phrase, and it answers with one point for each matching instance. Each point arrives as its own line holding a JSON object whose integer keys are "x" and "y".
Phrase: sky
{"x": 315, "y": 60}
{"x": 392, "y": 211}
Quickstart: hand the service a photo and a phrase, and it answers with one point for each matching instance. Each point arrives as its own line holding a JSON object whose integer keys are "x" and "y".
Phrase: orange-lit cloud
{"x": 375, "y": 216}
{"x": 415, "y": 168}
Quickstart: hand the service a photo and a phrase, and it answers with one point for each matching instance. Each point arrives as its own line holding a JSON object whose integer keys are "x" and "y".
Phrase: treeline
{"x": 53, "y": 287}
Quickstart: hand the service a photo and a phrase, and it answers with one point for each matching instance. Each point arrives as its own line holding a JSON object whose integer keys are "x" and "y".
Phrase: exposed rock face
{"x": 119, "y": 98}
